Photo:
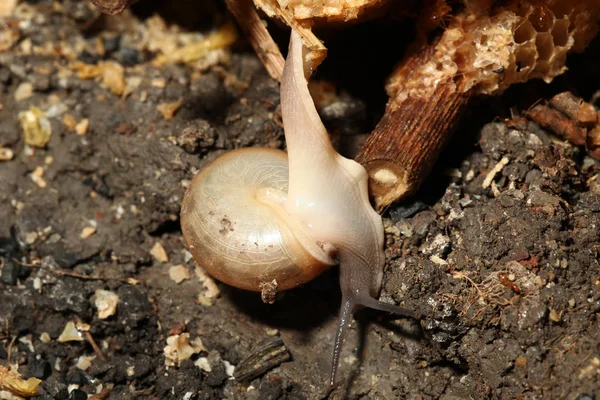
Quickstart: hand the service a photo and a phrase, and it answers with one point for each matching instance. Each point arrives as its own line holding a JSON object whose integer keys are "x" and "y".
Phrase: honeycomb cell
{"x": 525, "y": 58}
{"x": 518, "y": 40}
{"x": 524, "y": 32}
{"x": 543, "y": 69}
{"x": 561, "y": 9}
{"x": 465, "y": 54}
{"x": 560, "y": 32}
{"x": 560, "y": 56}
{"x": 545, "y": 46}
{"x": 541, "y": 18}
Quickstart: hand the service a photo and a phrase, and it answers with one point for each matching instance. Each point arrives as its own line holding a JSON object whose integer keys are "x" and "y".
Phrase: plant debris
{"x": 11, "y": 380}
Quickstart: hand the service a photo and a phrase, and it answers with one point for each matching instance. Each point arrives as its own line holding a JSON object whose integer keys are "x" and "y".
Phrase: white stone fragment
{"x": 106, "y": 303}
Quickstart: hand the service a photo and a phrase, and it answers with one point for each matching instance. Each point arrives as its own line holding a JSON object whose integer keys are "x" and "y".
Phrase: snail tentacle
{"x": 346, "y": 312}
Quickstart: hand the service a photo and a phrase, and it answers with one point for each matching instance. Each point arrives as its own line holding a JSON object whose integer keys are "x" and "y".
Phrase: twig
{"x": 97, "y": 349}
{"x": 100, "y": 396}
{"x": 256, "y": 31}
{"x": 63, "y": 272}
{"x": 460, "y": 275}
{"x": 9, "y": 350}
{"x": 401, "y": 151}
{"x": 91, "y": 340}
{"x": 570, "y": 118}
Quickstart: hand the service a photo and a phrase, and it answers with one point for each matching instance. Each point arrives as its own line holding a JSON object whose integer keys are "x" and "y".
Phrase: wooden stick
{"x": 571, "y": 118}
{"x": 422, "y": 113}
{"x": 113, "y": 7}
{"x": 400, "y": 152}
{"x": 256, "y": 31}
{"x": 316, "y": 50}
{"x": 553, "y": 120}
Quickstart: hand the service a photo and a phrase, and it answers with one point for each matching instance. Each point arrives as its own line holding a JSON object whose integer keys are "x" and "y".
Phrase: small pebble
{"x": 10, "y": 272}
{"x": 6, "y": 154}
{"x": 55, "y": 388}
{"x": 85, "y": 362}
{"x": 82, "y": 127}
{"x": 87, "y": 232}
{"x": 128, "y": 57}
{"x": 77, "y": 394}
{"x": 39, "y": 368}
{"x": 24, "y": 91}
{"x": 106, "y": 303}
{"x": 37, "y": 176}
{"x": 520, "y": 361}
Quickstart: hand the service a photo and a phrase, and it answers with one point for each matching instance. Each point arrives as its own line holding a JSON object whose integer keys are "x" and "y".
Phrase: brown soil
{"x": 506, "y": 270}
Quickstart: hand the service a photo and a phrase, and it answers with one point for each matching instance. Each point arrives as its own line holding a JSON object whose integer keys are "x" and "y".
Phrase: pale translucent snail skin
{"x": 247, "y": 224}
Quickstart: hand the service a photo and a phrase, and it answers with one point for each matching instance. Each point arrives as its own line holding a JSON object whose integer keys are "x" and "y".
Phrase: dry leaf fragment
{"x": 69, "y": 122}
{"x": 86, "y": 71}
{"x": 7, "y": 7}
{"x": 168, "y": 110}
{"x": 11, "y": 381}
{"x": 85, "y": 362}
{"x": 160, "y": 83}
{"x": 8, "y": 38}
{"x": 133, "y": 281}
{"x": 211, "y": 290}
{"x": 70, "y": 334}
{"x": 224, "y": 37}
{"x": 112, "y": 73}
{"x": 593, "y": 368}
{"x": 554, "y": 315}
{"x": 113, "y": 77}
{"x": 179, "y": 349}
{"x": 132, "y": 83}
{"x": 159, "y": 253}
{"x": 36, "y": 127}
{"x": 179, "y": 273}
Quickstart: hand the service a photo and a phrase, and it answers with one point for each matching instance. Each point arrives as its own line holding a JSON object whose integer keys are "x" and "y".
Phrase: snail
{"x": 256, "y": 215}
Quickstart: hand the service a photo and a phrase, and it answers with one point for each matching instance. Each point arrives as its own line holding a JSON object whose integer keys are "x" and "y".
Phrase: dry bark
{"x": 113, "y": 7}
{"x": 256, "y": 31}
{"x": 571, "y": 118}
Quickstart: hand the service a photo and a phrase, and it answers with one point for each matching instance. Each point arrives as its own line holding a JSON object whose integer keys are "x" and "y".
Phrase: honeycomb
{"x": 330, "y": 10}
{"x": 492, "y": 45}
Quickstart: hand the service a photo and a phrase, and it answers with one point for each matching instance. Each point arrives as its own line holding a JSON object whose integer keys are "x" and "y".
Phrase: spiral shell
{"x": 236, "y": 229}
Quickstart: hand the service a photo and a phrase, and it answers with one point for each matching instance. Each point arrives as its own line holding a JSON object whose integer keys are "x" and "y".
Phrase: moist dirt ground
{"x": 503, "y": 262}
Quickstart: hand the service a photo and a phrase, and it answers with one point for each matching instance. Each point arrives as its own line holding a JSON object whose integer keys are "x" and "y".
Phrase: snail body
{"x": 255, "y": 215}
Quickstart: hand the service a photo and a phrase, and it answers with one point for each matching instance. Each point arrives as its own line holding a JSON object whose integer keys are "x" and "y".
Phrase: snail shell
{"x": 236, "y": 228}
